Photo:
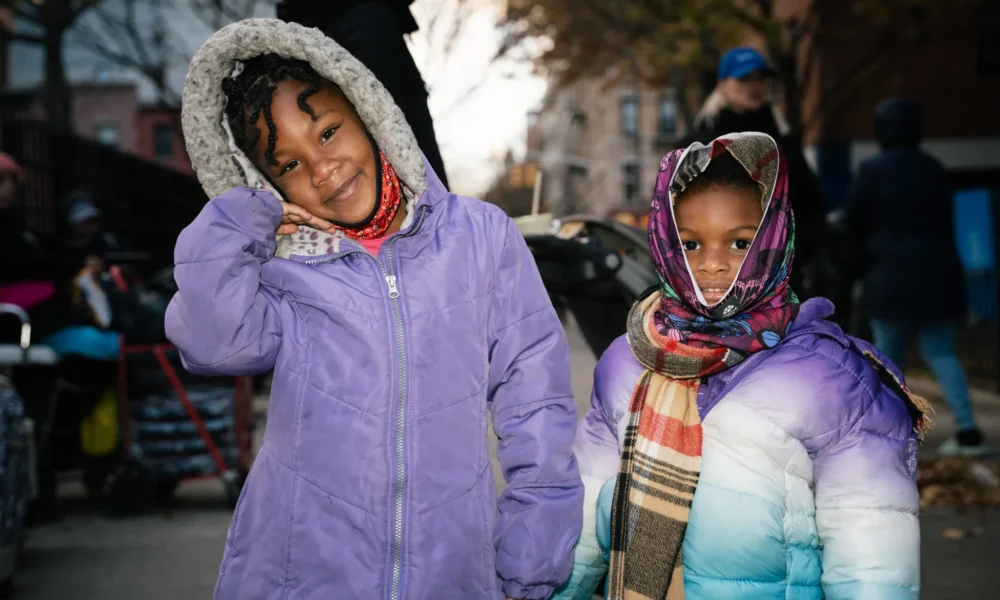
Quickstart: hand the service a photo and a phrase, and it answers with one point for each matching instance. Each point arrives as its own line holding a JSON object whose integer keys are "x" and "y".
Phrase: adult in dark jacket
{"x": 899, "y": 219}
{"x": 32, "y": 273}
{"x": 742, "y": 102}
{"x": 23, "y": 253}
{"x": 373, "y": 30}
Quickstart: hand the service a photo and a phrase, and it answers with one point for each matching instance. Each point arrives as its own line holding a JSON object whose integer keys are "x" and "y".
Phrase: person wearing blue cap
{"x": 742, "y": 102}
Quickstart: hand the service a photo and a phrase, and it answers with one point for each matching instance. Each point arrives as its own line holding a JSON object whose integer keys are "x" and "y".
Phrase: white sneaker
{"x": 952, "y": 449}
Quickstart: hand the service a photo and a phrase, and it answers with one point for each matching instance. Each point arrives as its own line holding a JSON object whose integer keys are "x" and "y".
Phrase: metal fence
{"x": 144, "y": 204}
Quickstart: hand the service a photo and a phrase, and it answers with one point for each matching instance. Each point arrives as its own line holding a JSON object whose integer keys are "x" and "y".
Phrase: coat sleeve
{"x": 596, "y": 448}
{"x": 222, "y": 319}
{"x": 867, "y": 505}
{"x": 534, "y": 416}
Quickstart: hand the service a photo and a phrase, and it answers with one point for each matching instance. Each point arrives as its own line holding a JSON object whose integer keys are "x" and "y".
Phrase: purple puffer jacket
{"x": 807, "y": 487}
{"x": 374, "y": 481}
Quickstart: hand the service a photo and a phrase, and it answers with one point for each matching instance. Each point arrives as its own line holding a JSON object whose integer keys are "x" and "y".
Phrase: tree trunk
{"x": 792, "y": 84}
{"x": 678, "y": 83}
{"x": 57, "y": 97}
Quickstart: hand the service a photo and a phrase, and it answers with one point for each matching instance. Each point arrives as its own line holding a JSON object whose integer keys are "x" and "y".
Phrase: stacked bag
{"x": 168, "y": 439}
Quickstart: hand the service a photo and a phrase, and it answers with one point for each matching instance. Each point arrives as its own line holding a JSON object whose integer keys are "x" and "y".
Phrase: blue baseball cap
{"x": 740, "y": 62}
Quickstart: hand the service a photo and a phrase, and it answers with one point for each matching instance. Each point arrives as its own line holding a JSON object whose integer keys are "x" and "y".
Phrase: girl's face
{"x": 325, "y": 162}
{"x": 717, "y": 226}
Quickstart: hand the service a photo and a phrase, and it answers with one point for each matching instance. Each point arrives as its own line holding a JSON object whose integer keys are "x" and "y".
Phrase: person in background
{"x": 373, "y": 31}
{"x": 88, "y": 236}
{"x": 33, "y": 275}
{"x": 743, "y": 101}
{"x": 899, "y": 221}
{"x": 23, "y": 252}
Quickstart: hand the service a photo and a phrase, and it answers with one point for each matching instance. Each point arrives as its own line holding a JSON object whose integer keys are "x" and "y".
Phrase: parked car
{"x": 592, "y": 267}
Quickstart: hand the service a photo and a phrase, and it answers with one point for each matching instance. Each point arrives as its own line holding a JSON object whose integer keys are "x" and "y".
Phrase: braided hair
{"x": 249, "y": 95}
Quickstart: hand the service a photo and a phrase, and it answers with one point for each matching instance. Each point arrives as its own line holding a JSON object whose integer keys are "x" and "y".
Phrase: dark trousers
{"x": 373, "y": 34}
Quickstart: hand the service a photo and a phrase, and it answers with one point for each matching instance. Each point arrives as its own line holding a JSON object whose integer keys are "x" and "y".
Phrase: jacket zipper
{"x": 397, "y": 545}
{"x": 392, "y": 283}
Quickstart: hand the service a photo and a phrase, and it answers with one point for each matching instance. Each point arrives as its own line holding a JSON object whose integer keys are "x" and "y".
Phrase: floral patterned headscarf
{"x": 760, "y": 306}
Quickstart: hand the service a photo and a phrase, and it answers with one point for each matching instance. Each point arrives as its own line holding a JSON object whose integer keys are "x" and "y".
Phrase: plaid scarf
{"x": 680, "y": 341}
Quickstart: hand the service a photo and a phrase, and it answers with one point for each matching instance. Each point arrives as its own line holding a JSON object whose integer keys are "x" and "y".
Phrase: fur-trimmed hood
{"x": 220, "y": 166}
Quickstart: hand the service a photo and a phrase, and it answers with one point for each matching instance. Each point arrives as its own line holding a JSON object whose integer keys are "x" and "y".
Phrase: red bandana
{"x": 392, "y": 197}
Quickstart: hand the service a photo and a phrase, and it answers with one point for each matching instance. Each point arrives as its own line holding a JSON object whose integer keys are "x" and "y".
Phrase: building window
{"x": 109, "y": 134}
{"x": 630, "y": 116}
{"x": 163, "y": 143}
{"x": 667, "y": 118}
{"x": 630, "y": 183}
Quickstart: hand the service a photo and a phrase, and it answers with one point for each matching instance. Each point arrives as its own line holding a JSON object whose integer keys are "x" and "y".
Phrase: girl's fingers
{"x": 296, "y": 215}
{"x": 287, "y": 229}
{"x": 319, "y": 223}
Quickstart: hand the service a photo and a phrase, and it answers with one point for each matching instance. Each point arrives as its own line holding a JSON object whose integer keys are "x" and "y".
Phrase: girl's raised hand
{"x": 293, "y": 216}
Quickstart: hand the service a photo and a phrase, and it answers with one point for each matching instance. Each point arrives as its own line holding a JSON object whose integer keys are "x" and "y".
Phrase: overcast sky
{"x": 474, "y": 133}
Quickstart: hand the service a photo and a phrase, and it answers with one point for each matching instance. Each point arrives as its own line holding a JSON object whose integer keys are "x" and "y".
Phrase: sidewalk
{"x": 958, "y": 569}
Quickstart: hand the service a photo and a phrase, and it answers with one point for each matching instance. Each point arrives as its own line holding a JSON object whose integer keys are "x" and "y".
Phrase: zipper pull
{"x": 393, "y": 290}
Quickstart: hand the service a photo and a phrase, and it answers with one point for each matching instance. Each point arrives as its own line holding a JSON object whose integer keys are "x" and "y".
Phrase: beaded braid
{"x": 249, "y": 95}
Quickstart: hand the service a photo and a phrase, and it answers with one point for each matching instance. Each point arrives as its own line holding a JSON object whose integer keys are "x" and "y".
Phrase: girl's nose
{"x": 713, "y": 262}
{"x": 324, "y": 170}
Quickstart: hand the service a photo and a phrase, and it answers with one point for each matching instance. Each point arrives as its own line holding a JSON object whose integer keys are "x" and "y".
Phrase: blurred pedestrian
{"x": 373, "y": 31}
{"x": 394, "y": 315}
{"x": 33, "y": 274}
{"x": 88, "y": 237}
{"x": 743, "y": 101}
{"x": 23, "y": 252}
{"x": 900, "y": 222}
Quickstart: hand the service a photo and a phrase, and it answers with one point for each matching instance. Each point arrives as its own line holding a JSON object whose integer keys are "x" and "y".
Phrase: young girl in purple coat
{"x": 394, "y": 316}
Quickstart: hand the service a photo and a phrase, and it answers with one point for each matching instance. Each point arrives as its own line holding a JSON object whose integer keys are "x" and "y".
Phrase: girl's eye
{"x": 291, "y": 165}
{"x": 691, "y": 246}
{"x": 328, "y": 134}
{"x": 742, "y": 245}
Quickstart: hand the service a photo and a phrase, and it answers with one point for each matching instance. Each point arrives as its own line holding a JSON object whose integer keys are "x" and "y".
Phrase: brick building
{"x": 111, "y": 113}
{"x": 600, "y": 144}
{"x": 159, "y": 137}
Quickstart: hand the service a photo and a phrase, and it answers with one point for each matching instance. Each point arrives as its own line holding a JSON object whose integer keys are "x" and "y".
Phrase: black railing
{"x": 144, "y": 203}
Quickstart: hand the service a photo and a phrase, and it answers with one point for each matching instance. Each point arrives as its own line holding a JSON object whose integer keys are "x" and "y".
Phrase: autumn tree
{"x": 677, "y": 41}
